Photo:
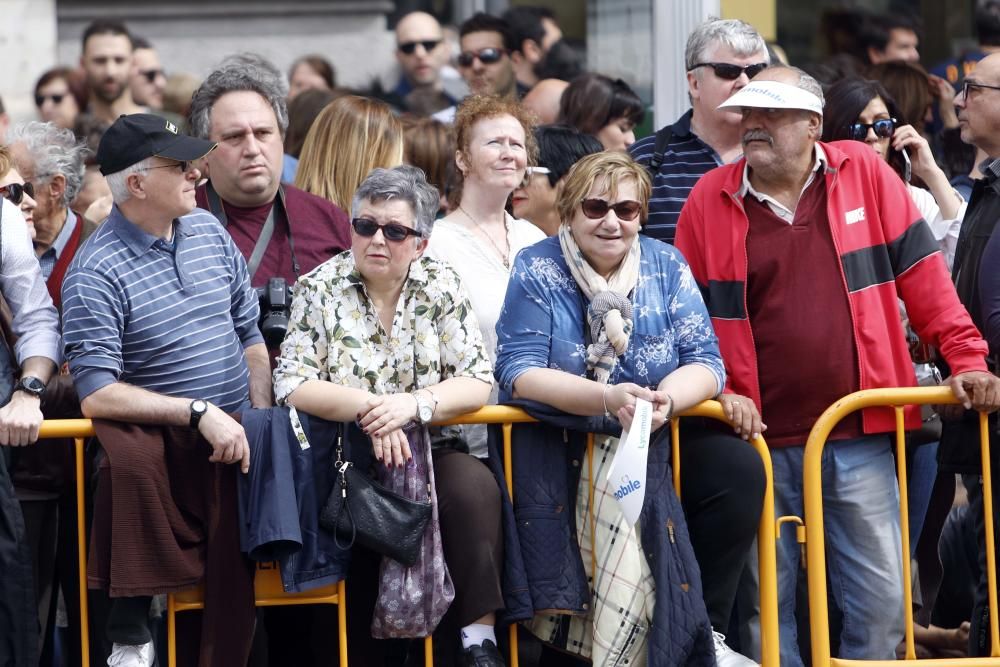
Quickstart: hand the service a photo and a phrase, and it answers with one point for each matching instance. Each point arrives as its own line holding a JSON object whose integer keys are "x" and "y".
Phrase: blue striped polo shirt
{"x": 170, "y": 317}
{"x": 686, "y": 159}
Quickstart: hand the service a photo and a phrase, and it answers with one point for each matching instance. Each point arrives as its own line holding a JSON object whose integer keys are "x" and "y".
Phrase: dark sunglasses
{"x": 595, "y": 209}
{"x": 15, "y": 192}
{"x": 883, "y": 128}
{"x": 731, "y": 72}
{"x": 183, "y": 165}
{"x": 486, "y": 56}
{"x": 409, "y": 47}
{"x": 151, "y": 74}
{"x": 391, "y": 231}
{"x": 56, "y": 98}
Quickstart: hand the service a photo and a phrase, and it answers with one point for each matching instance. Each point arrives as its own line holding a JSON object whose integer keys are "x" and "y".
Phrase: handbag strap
{"x": 341, "y": 466}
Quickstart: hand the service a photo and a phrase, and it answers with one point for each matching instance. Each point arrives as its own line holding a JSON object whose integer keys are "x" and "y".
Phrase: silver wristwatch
{"x": 425, "y": 407}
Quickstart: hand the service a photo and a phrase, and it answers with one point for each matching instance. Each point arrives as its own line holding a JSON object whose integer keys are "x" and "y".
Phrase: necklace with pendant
{"x": 504, "y": 256}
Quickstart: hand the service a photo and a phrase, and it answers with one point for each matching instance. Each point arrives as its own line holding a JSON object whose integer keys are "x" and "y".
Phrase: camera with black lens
{"x": 275, "y": 307}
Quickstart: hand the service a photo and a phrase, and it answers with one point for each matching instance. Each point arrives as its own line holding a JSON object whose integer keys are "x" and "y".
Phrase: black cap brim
{"x": 186, "y": 149}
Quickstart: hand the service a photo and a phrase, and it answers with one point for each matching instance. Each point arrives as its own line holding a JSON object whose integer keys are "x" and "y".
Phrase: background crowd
{"x": 473, "y": 235}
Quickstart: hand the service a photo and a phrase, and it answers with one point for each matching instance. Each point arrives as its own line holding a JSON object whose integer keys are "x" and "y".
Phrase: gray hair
{"x": 741, "y": 37}
{"x": 54, "y": 150}
{"x": 404, "y": 182}
{"x": 805, "y": 82}
{"x": 243, "y": 71}
{"x": 118, "y": 181}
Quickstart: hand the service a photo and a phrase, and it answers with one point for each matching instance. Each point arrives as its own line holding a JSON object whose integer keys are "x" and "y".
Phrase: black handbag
{"x": 361, "y": 509}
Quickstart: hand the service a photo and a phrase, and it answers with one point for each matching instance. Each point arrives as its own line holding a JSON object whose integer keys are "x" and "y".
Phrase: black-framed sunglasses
{"x": 731, "y": 72}
{"x": 883, "y": 128}
{"x": 151, "y": 74}
{"x": 410, "y": 47}
{"x": 968, "y": 85}
{"x": 392, "y": 231}
{"x": 595, "y": 209}
{"x": 15, "y": 192}
{"x": 183, "y": 165}
{"x": 486, "y": 56}
{"x": 56, "y": 98}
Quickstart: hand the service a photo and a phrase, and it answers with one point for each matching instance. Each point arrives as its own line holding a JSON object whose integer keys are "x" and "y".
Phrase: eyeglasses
{"x": 531, "y": 171}
{"x": 151, "y": 74}
{"x": 486, "y": 56}
{"x": 410, "y": 47}
{"x": 56, "y": 98}
{"x": 968, "y": 85}
{"x": 15, "y": 192}
{"x": 883, "y": 128}
{"x": 181, "y": 164}
{"x": 392, "y": 231}
{"x": 595, "y": 209}
{"x": 731, "y": 72}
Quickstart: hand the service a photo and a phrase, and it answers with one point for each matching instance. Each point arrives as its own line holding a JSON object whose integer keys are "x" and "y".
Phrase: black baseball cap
{"x": 134, "y": 137}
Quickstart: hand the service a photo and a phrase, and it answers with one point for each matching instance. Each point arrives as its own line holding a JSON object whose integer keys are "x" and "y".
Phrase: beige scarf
{"x": 609, "y": 313}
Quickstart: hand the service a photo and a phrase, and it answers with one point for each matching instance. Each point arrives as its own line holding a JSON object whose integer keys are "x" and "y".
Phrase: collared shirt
{"x": 990, "y": 167}
{"x": 36, "y": 322}
{"x": 334, "y": 332}
{"x": 171, "y": 317}
{"x": 49, "y": 258}
{"x": 686, "y": 159}
{"x": 779, "y": 209}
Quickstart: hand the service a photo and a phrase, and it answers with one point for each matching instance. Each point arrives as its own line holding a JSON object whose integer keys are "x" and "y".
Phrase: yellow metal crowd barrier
{"x": 815, "y": 538}
{"x": 268, "y": 591}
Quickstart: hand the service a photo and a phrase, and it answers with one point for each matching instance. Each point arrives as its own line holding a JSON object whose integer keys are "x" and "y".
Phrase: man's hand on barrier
{"x": 386, "y": 413}
{"x": 392, "y": 449}
{"x": 742, "y": 415}
{"x": 227, "y": 437}
{"x": 20, "y": 419}
{"x": 976, "y": 390}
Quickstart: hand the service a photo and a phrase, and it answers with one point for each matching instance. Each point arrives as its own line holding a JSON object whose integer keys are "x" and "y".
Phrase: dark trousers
{"x": 472, "y": 538}
{"x": 722, "y": 492}
{"x": 18, "y": 612}
{"x": 979, "y": 633}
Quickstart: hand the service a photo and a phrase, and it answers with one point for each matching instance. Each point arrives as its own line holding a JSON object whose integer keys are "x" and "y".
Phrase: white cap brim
{"x": 773, "y": 95}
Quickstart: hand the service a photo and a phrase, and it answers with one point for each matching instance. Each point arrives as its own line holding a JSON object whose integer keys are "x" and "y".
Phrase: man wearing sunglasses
{"x": 148, "y": 79}
{"x": 803, "y": 250}
{"x": 160, "y": 327}
{"x": 422, "y": 54}
{"x": 484, "y": 62}
{"x": 975, "y": 272}
{"x": 722, "y": 56}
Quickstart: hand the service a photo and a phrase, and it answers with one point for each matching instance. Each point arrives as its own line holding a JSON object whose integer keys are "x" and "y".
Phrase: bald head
{"x": 420, "y": 49}
{"x": 978, "y": 105}
{"x": 543, "y": 99}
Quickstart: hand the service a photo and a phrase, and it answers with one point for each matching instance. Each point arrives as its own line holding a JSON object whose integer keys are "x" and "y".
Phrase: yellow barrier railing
{"x": 506, "y": 417}
{"x": 815, "y": 538}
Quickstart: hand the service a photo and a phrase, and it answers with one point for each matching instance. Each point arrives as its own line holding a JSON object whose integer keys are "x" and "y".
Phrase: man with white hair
{"x": 801, "y": 249}
{"x": 721, "y": 57}
{"x": 160, "y": 327}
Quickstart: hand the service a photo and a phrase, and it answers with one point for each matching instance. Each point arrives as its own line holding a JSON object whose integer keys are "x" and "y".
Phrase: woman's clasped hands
{"x": 619, "y": 401}
{"x": 382, "y": 418}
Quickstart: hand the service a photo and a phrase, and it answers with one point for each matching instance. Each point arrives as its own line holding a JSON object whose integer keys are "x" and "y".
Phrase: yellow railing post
{"x": 815, "y": 536}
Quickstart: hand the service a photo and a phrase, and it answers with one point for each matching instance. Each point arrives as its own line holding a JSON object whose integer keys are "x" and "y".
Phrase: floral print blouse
{"x": 334, "y": 333}
{"x": 543, "y": 321}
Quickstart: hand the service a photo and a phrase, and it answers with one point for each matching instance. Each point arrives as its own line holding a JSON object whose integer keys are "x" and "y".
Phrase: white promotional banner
{"x": 627, "y": 474}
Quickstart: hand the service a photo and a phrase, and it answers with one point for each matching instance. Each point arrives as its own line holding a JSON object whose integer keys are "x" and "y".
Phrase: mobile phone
{"x": 907, "y": 167}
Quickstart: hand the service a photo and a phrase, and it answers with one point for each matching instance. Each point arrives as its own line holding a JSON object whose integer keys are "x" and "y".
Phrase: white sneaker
{"x": 128, "y": 655}
{"x": 727, "y": 657}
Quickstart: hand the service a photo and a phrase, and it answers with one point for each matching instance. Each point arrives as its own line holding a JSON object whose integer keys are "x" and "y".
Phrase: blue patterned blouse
{"x": 543, "y": 321}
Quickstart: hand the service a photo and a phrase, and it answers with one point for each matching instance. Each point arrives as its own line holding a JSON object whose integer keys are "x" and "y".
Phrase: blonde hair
{"x": 349, "y": 138}
{"x": 612, "y": 165}
{"x": 6, "y": 161}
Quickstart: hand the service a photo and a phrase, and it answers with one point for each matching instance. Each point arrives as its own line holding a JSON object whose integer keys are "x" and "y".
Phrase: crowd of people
{"x": 256, "y": 281}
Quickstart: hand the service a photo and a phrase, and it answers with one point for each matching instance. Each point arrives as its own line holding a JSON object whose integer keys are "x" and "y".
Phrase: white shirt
{"x": 483, "y": 275}
{"x": 36, "y": 322}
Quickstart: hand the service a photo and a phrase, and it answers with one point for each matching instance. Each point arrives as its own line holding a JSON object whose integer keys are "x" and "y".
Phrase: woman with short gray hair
{"x": 386, "y": 337}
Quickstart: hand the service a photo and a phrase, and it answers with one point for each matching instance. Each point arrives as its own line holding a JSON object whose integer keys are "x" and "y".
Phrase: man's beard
{"x": 101, "y": 93}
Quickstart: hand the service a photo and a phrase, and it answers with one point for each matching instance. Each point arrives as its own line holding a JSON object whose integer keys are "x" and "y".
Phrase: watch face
{"x": 32, "y": 385}
{"x": 426, "y": 412}
{"x": 199, "y": 405}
